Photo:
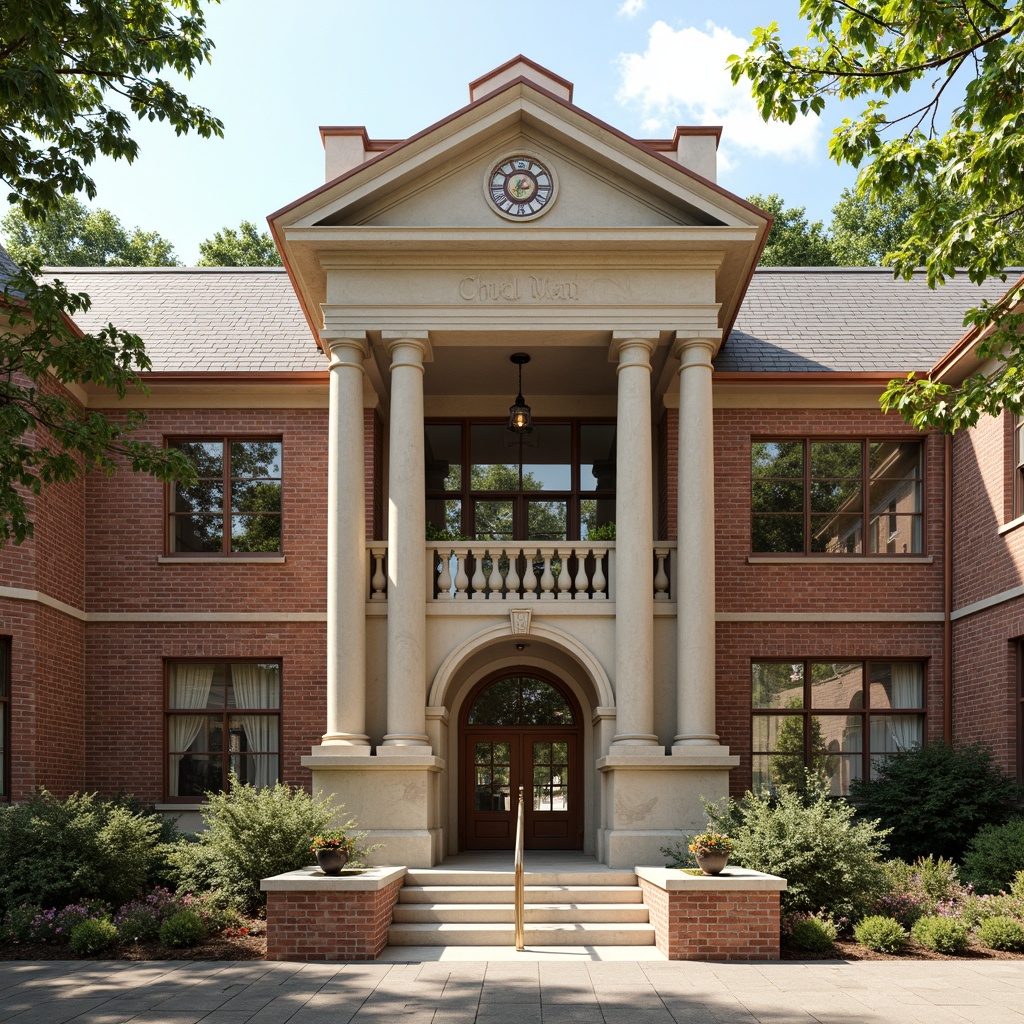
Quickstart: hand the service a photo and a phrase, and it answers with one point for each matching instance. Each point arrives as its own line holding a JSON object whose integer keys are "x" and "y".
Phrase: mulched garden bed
{"x": 847, "y": 949}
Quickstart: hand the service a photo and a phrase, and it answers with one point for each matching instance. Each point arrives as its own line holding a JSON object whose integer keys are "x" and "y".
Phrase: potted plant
{"x": 711, "y": 851}
{"x": 332, "y": 850}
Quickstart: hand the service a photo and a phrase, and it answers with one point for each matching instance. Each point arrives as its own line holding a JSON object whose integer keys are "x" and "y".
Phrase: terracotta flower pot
{"x": 331, "y": 861}
{"x": 712, "y": 863}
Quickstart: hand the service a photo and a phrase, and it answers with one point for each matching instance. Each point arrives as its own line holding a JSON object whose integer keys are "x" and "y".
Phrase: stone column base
{"x": 396, "y": 799}
{"x": 649, "y": 801}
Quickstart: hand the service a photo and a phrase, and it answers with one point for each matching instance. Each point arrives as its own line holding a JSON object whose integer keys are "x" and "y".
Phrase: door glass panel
{"x": 492, "y": 467}
{"x": 550, "y": 466}
{"x": 492, "y": 774}
{"x": 597, "y": 457}
{"x": 443, "y": 455}
{"x": 550, "y": 776}
{"x": 493, "y": 520}
{"x": 546, "y": 520}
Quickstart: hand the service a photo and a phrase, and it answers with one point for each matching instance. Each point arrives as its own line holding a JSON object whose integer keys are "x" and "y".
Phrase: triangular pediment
{"x": 436, "y": 178}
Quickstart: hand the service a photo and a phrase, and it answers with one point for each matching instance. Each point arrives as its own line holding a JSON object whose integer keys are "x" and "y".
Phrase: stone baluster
{"x": 530, "y": 576}
{"x": 444, "y": 579}
{"x": 599, "y": 581}
{"x": 512, "y": 580}
{"x": 563, "y": 582}
{"x": 661, "y": 577}
{"x": 479, "y": 579}
{"x": 547, "y": 579}
{"x": 379, "y": 580}
{"x": 494, "y": 577}
{"x": 461, "y": 577}
{"x": 581, "y": 582}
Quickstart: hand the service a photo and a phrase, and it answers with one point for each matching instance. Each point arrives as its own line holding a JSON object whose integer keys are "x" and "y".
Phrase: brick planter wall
{"x": 312, "y": 917}
{"x": 726, "y": 917}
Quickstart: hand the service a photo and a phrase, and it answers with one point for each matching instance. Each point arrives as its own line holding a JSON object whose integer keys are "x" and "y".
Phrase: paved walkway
{"x": 533, "y": 991}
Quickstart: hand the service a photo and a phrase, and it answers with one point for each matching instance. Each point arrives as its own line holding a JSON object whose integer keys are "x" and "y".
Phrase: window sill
{"x": 840, "y": 559}
{"x": 220, "y": 559}
{"x": 1011, "y": 525}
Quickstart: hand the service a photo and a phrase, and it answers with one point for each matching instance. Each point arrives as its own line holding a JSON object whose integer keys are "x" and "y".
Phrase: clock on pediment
{"x": 521, "y": 187}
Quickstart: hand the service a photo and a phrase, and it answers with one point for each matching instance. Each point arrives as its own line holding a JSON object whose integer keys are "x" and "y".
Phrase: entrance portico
{"x": 423, "y": 293}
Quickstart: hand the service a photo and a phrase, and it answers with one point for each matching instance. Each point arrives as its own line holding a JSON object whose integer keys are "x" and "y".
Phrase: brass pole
{"x": 520, "y": 886}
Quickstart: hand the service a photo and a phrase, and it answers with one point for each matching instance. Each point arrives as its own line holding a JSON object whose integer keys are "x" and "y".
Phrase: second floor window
{"x": 483, "y": 485}
{"x": 235, "y": 505}
{"x": 836, "y": 497}
{"x": 5, "y": 720}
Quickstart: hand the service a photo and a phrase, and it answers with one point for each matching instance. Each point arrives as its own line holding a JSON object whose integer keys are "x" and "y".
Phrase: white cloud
{"x": 682, "y": 79}
{"x": 631, "y": 8}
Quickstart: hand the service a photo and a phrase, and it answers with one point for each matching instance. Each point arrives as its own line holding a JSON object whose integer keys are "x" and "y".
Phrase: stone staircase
{"x": 447, "y": 906}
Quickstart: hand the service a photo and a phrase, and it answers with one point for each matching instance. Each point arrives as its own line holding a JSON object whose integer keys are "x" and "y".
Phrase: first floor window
{"x": 223, "y": 717}
{"x": 234, "y": 507}
{"x": 837, "y": 718}
{"x": 5, "y": 717}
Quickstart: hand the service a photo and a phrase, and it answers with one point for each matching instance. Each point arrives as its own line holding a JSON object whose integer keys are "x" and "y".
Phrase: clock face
{"x": 520, "y": 187}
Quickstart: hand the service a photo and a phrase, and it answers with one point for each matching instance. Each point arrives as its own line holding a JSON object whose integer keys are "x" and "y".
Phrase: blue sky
{"x": 280, "y": 70}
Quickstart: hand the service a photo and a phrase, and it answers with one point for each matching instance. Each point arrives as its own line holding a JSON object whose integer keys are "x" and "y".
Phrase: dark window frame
{"x": 5, "y": 731}
{"x": 226, "y": 477}
{"x": 573, "y": 496}
{"x": 1018, "y": 467}
{"x": 865, "y": 712}
{"x": 865, "y": 441}
{"x": 224, "y": 714}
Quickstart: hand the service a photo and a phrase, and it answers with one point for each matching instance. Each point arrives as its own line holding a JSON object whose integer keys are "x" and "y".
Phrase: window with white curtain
{"x": 839, "y": 718}
{"x": 223, "y": 718}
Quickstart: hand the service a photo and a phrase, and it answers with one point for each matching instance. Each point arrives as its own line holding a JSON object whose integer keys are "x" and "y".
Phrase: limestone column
{"x": 346, "y": 549}
{"x": 634, "y": 536}
{"x": 407, "y": 565}
{"x": 695, "y": 602}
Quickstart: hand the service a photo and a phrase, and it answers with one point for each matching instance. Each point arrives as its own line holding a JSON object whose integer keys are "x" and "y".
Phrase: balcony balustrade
{"x": 522, "y": 571}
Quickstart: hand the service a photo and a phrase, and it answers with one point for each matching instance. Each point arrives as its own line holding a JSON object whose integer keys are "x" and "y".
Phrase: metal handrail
{"x": 520, "y": 911}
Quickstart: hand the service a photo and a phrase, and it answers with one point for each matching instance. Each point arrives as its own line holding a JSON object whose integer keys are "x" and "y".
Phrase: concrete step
{"x": 481, "y": 934}
{"x": 506, "y": 894}
{"x": 445, "y": 876}
{"x": 503, "y": 913}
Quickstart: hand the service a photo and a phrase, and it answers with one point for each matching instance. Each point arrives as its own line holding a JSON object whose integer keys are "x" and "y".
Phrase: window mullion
{"x": 226, "y": 498}
{"x": 807, "y": 496}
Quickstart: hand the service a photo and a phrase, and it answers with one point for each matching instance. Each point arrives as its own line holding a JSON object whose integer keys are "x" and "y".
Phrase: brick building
{"x": 703, "y": 560}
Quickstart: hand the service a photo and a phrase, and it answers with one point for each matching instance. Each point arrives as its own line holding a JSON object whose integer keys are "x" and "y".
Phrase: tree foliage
{"x": 72, "y": 74}
{"x": 45, "y": 436}
{"x": 72, "y": 235}
{"x": 954, "y": 146}
{"x": 793, "y": 241}
{"x": 866, "y": 229}
{"x": 246, "y": 247}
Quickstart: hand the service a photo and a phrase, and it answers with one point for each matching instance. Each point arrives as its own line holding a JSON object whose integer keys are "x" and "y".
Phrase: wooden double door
{"x": 535, "y": 744}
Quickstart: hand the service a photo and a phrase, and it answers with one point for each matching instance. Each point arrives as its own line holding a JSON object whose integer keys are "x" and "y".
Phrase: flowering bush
{"x": 56, "y": 924}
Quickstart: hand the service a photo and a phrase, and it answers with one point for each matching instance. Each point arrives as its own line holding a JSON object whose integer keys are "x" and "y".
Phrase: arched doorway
{"x": 520, "y": 728}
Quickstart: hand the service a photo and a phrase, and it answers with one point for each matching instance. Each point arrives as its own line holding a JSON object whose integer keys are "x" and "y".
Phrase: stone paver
{"x": 513, "y": 991}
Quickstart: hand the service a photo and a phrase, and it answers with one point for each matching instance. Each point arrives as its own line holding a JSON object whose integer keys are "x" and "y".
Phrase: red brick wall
{"x": 329, "y": 925}
{"x": 986, "y": 564}
{"x": 838, "y": 584}
{"x": 127, "y": 529}
{"x": 713, "y": 924}
{"x": 125, "y": 697}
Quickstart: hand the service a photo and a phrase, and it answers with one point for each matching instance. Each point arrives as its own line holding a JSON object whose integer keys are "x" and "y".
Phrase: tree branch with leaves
{"x": 958, "y": 152}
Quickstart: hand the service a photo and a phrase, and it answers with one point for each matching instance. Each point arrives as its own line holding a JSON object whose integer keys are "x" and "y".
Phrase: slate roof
{"x": 810, "y": 320}
{"x": 7, "y": 267}
{"x": 200, "y": 318}
{"x": 793, "y": 320}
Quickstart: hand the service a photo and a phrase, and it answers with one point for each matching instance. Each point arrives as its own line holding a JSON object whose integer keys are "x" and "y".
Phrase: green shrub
{"x": 17, "y": 923}
{"x": 831, "y": 863}
{"x": 815, "y": 934}
{"x": 941, "y": 934}
{"x": 93, "y": 935}
{"x": 935, "y": 798}
{"x": 882, "y": 934}
{"x": 1006, "y": 933}
{"x": 250, "y": 834}
{"x": 55, "y": 852}
{"x": 995, "y": 855}
{"x": 182, "y": 930}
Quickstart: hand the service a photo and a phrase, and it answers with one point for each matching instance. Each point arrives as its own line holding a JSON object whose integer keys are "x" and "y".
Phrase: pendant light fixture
{"x": 520, "y": 421}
